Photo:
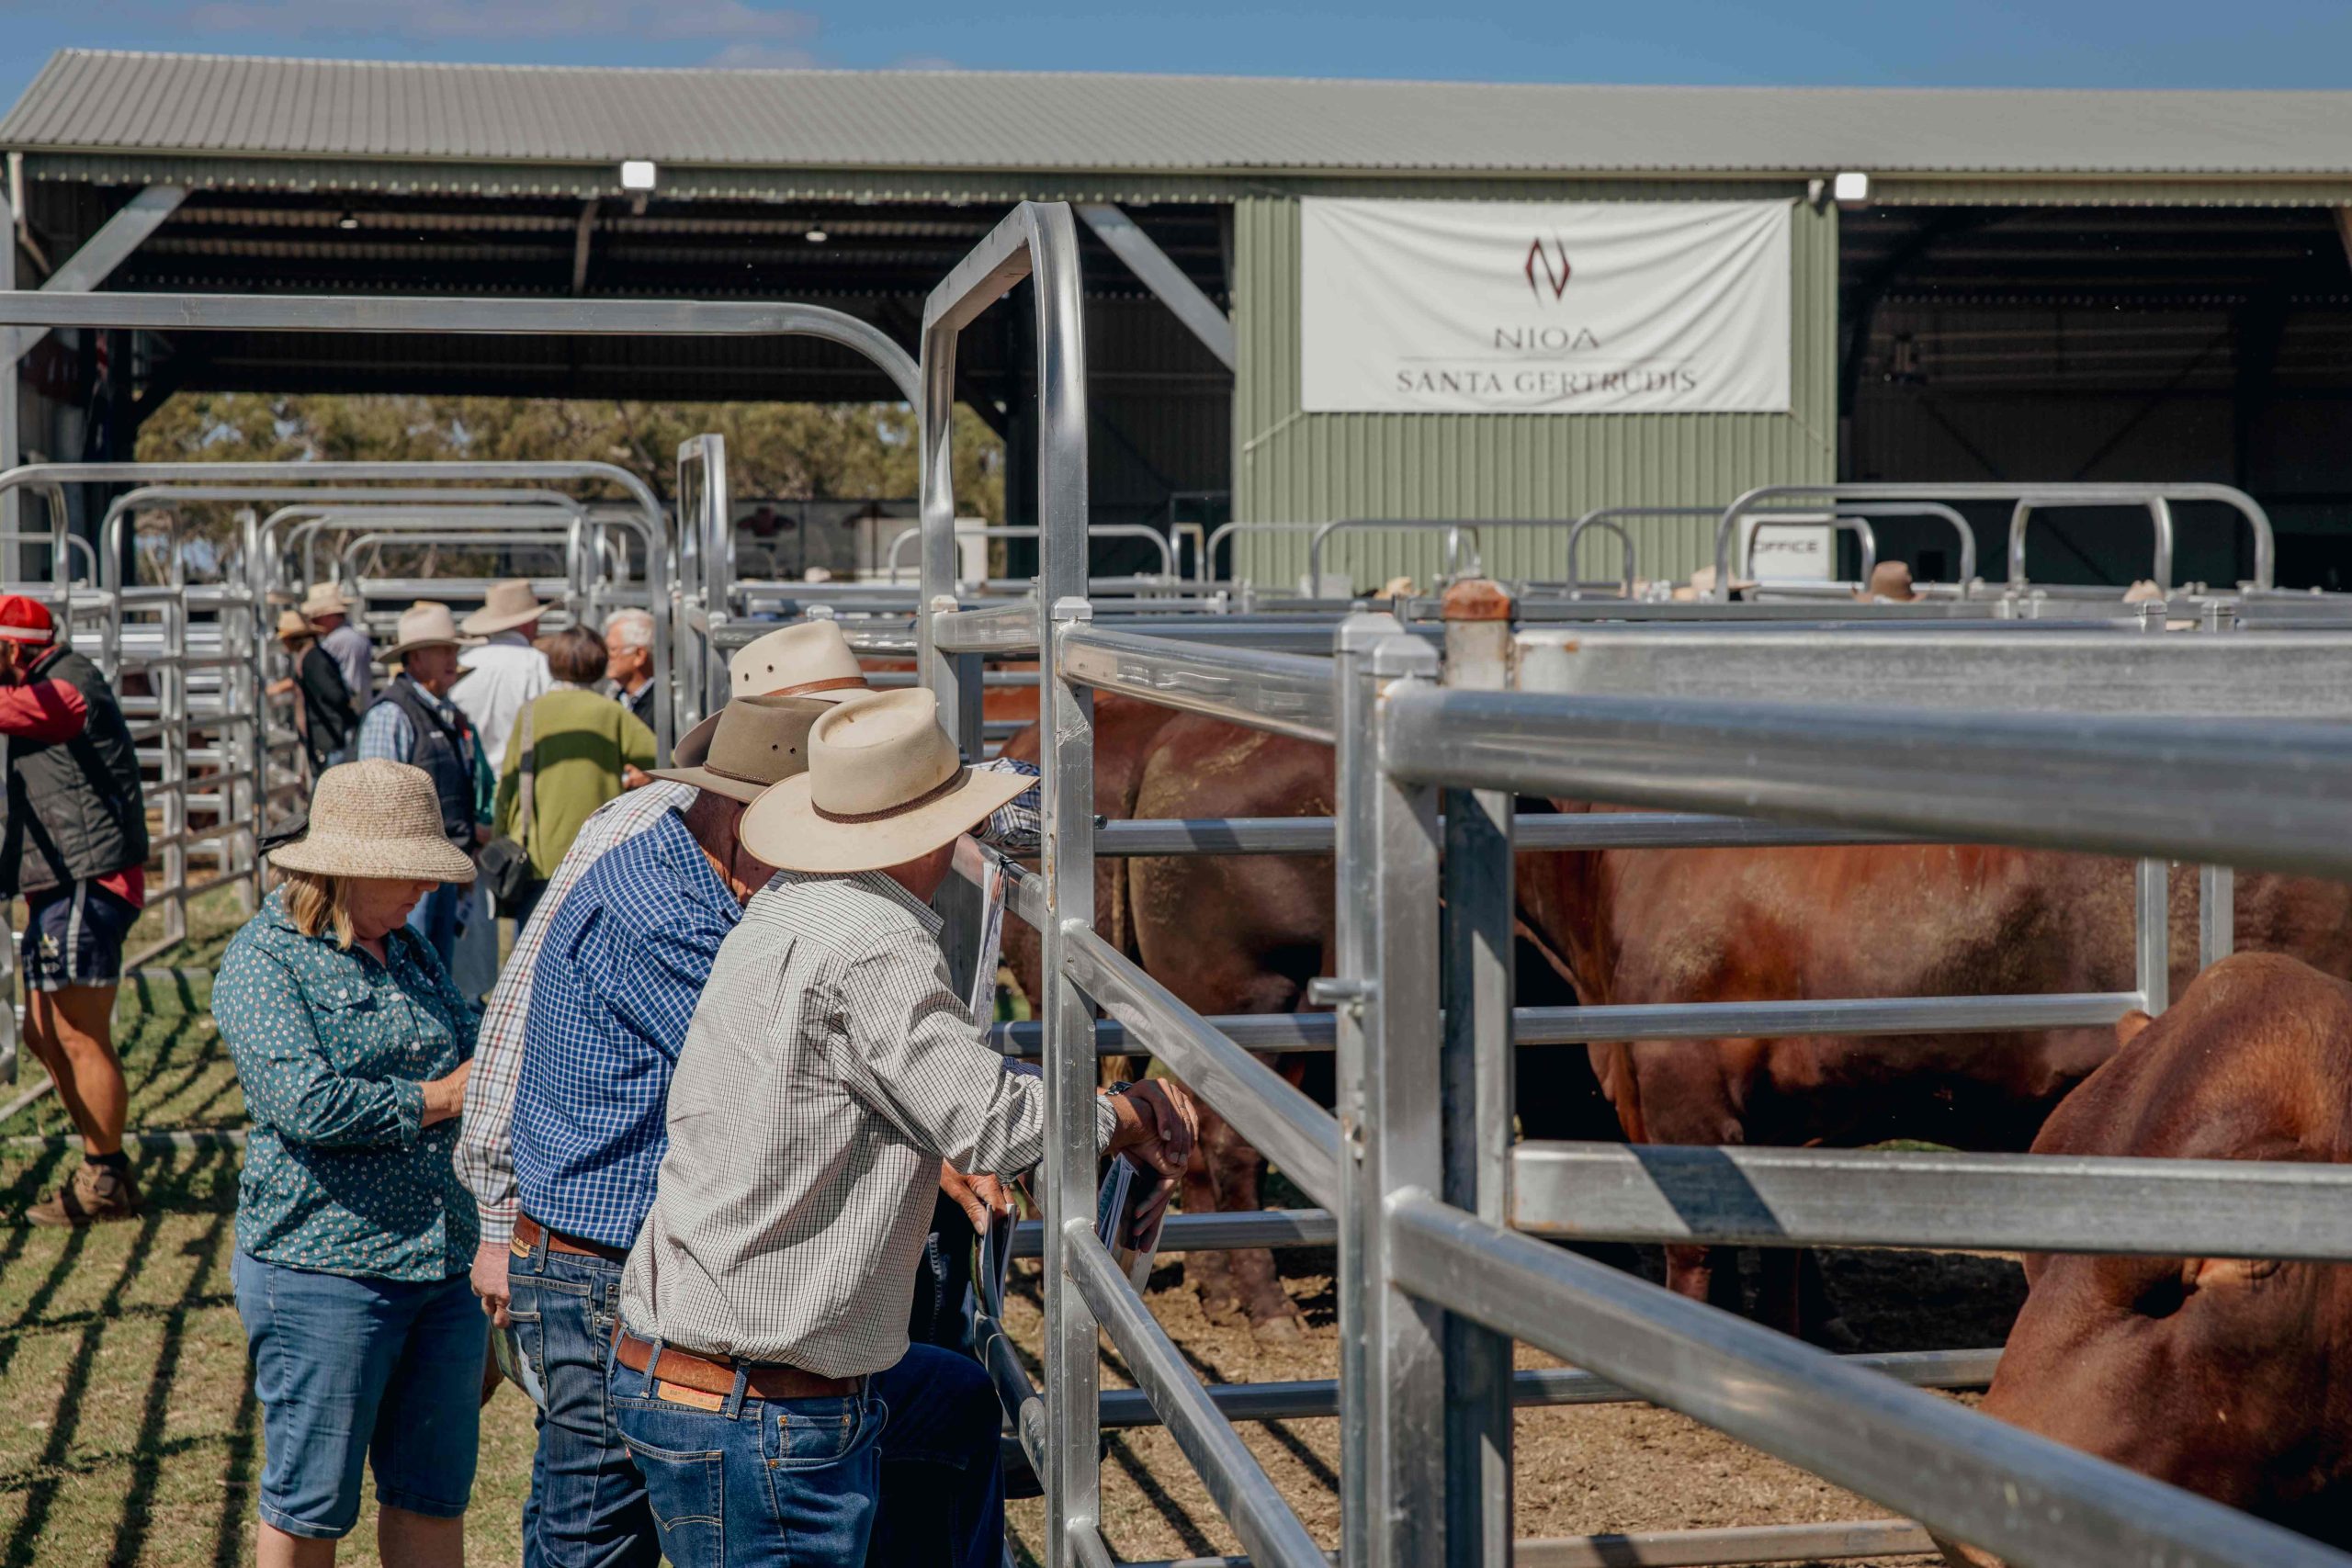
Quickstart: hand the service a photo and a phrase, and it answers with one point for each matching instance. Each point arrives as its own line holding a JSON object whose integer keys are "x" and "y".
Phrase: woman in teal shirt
{"x": 353, "y": 1235}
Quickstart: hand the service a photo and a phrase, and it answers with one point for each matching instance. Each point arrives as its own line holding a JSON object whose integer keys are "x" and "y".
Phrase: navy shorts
{"x": 74, "y": 936}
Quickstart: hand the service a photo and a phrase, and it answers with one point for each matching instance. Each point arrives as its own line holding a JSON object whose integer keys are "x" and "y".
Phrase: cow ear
{"x": 2127, "y": 1027}
{"x": 2221, "y": 1273}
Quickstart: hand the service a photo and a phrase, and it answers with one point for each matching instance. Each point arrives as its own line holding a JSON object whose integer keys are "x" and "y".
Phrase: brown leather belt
{"x": 715, "y": 1374}
{"x": 527, "y": 1231}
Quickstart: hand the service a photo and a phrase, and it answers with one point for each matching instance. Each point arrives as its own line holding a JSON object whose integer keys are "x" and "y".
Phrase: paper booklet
{"x": 983, "y": 998}
{"x": 1124, "y": 1191}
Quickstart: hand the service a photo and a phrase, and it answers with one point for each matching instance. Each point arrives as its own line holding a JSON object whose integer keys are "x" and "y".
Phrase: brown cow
{"x": 1641, "y": 926}
{"x": 2228, "y": 1377}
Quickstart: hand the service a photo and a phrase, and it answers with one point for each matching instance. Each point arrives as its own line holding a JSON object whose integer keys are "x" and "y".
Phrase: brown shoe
{"x": 95, "y": 1193}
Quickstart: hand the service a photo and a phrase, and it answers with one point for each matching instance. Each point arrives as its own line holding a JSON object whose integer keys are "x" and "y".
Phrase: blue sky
{"x": 2168, "y": 43}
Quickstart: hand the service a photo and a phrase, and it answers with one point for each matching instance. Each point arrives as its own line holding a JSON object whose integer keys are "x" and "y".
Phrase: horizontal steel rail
{"x": 1761, "y": 1197}
{"x": 1531, "y": 831}
{"x": 2296, "y": 676}
{"x": 1279, "y": 1123}
{"x": 998, "y": 628}
{"x": 365, "y": 313}
{"x": 1683, "y": 1548}
{"x": 2223, "y": 792}
{"x": 1536, "y": 1388}
{"x": 2034, "y": 1502}
{"x": 1235, "y": 1482}
{"x": 1216, "y": 1231}
{"x": 1287, "y": 693}
{"x": 1280, "y": 1032}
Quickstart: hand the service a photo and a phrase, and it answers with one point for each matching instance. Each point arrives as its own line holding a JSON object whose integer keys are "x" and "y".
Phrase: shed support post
{"x": 1163, "y": 277}
{"x": 1476, "y": 1061}
{"x": 11, "y": 433}
{"x": 1393, "y": 1468}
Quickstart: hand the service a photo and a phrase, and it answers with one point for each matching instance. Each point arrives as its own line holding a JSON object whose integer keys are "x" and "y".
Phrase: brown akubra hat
{"x": 746, "y": 746}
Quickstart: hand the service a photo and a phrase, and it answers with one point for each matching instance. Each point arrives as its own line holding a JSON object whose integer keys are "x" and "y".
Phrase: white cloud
{"x": 745, "y": 54}
{"x": 730, "y": 22}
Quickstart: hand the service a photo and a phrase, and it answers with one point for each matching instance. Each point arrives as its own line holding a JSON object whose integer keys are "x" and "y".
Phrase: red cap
{"x": 25, "y": 620}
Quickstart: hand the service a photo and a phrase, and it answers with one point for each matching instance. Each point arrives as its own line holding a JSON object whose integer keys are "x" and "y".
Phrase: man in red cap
{"x": 76, "y": 849}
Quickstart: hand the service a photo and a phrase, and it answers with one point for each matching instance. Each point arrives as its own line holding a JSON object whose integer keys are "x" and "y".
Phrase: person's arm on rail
{"x": 47, "y": 711}
{"x": 914, "y": 1056}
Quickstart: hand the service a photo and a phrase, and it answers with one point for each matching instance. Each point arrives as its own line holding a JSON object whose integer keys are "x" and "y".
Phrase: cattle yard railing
{"x": 1417, "y": 1171}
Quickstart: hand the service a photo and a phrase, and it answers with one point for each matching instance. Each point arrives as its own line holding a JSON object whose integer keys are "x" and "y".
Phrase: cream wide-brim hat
{"x": 324, "y": 599}
{"x": 377, "y": 818}
{"x": 426, "y": 625}
{"x": 808, "y": 658}
{"x": 884, "y": 787}
{"x": 508, "y": 604}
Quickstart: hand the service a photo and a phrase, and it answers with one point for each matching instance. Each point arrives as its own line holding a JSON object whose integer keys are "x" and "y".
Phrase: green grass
{"x": 131, "y": 1435}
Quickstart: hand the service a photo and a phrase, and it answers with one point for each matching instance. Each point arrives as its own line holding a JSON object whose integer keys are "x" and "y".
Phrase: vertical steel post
{"x": 2152, "y": 932}
{"x": 717, "y": 528}
{"x": 1475, "y": 1062}
{"x": 12, "y": 385}
{"x": 1392, "y": 1374}
{"x": 2217, "y": 893}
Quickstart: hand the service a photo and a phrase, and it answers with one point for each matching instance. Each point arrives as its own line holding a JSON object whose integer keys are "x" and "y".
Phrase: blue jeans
{"x": 435, "y": 919}
{"x": 587, "y": 1507}
{"x": 351, "y": 1371}
{"x": 796, "y": 1482}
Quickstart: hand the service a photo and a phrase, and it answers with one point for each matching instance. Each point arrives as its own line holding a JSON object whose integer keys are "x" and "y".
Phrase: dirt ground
{"x": 1582, "y": 1470}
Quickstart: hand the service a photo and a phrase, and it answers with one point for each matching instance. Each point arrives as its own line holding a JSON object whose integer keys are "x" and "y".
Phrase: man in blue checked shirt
{"x": 620, "y": 968}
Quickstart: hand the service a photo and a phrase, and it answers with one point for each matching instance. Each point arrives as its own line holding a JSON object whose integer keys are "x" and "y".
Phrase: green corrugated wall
{"x": 1293, "y": 466}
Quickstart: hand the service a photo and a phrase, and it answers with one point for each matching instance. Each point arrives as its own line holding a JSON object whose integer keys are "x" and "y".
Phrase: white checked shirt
{"x": 504, "y": 676}
{"x": 829, "y": 1071}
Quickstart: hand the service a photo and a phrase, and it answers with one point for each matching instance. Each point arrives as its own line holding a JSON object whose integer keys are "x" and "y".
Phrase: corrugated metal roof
{"x": 104, "y": 101}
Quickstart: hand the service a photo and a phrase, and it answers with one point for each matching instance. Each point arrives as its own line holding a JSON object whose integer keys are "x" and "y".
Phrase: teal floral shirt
{"x": 333, "y": 1050}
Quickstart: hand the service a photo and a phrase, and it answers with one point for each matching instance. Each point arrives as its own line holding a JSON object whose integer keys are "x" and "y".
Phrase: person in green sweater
{"x": 583, "y": 749}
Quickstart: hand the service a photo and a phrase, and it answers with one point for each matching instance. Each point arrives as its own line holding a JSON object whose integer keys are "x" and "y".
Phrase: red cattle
{"x": 1642, "y": 926}
{"x": 2229, "y": 1377}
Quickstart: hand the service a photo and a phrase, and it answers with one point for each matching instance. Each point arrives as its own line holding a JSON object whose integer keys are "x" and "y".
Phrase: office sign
{"x": 1583, "y": 307}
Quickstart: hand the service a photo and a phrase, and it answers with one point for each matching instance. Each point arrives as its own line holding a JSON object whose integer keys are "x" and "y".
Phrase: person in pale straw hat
{"x": 352, "y": 1234}
{"x": 345, "y": 639}
{"x": 323, "y": 710}
{"x": 414, "y": 721}
{"x": 830, "y": 1068}
{"x": 503, "y": 671}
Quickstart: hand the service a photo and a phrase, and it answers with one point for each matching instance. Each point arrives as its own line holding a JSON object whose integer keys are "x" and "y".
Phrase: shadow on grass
{"x": 138, "y": 1503}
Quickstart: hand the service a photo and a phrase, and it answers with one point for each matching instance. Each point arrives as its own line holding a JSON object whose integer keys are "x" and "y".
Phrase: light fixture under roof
{"x": 816, "y": 236}
{"x": 348, "y": 220}
{"x": 637, "y": 174}
{"x": 1850, "y": 188}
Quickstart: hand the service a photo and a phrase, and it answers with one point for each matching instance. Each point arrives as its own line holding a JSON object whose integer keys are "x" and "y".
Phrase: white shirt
{"x": 508, "y": 675}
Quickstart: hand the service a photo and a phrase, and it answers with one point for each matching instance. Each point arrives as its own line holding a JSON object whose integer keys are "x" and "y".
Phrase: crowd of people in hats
{"x": 698, "y": 1167}
{"x": 700, "y": 1172}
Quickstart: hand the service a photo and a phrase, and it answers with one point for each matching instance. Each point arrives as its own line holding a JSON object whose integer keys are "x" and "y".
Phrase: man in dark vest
{"x": 414, "y": 722}
{"x": 76, "y": 849}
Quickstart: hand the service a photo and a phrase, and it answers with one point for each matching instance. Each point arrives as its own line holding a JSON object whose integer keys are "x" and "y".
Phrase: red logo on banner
{"x": 1555, "y": 264}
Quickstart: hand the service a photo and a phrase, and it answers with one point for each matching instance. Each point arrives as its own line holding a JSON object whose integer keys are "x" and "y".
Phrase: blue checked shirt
{"x": 624, "y": 963}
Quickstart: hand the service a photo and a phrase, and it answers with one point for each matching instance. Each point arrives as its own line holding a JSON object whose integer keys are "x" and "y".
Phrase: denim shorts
{"x": 352, "y": 1371}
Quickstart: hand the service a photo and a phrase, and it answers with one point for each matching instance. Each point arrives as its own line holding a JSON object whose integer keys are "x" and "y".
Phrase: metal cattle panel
{"x": 1731, "y": 1196}
{"x": 2292, "y": 675}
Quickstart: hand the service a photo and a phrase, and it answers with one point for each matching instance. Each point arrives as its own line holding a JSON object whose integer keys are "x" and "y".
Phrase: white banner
{"x": 1581, "y": 307}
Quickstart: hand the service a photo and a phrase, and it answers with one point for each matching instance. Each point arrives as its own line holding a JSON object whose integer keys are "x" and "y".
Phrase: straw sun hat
{"x": 324, "y": 599}
{"x": 375, "y": 818}
{"x": 746, "y": 746}
{"x": 808, "y": 658}
{"x": 508, "y": 604}
{"x": 291, "y": 623}
{"x": 884, "y": 787}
